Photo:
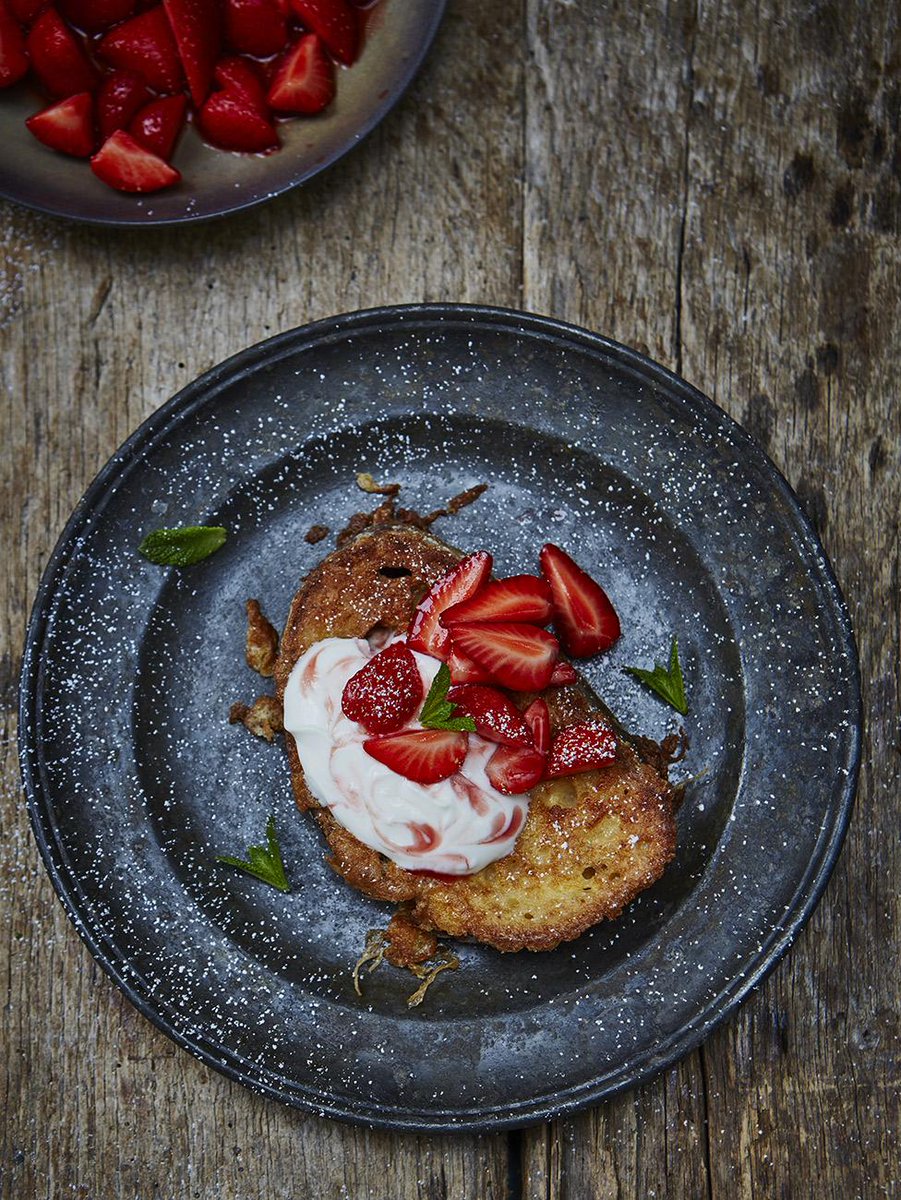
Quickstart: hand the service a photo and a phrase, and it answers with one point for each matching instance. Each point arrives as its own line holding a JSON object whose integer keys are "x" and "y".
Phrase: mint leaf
{"x": 182, "y": 547}
{"x": 438, "y": 711}
{"x": 264, "y": 862}
{"x": 667, "y": 682}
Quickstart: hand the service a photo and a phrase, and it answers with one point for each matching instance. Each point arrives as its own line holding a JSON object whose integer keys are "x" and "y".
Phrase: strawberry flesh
{"x": 581, "y": 747}
{"x": 304, "y": 80}
{"x": 423, "y": 755}
{"x": 58, "y": 57}
{"x": 515, "y": 769}
{"x": 427, "y": 634}
{"x": 496, "y": 716}
{"x": 124, "y": 164}
{"x": 335, "y": 22}
{"x": 538, "y": 722}
{"x": 255, "y": 27}
{"x": 385, "y": 693}
{"x": 520, "y": 657}
{"x": 584, "y": 619}
{"x": 157, "y": 125}
{"x": 197, "y": 29}
{"x": 67, "y": 126}
{"x": 563, "y": 673}
{"x": 13, "y": 59}
{"x": 519, "y": 598}
{"x": 145, "y": 44}
{"x": 465, "y": 670}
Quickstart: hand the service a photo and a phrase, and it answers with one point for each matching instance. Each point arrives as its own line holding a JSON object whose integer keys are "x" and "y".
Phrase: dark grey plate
{"x": 214, "y": 182}
{"x": 136, "y": 782}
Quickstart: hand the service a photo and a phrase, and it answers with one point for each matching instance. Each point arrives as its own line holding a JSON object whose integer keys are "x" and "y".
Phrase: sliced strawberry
{"x": 229, "y": 120}
{"x": 461, "y": 582}
{"x": 126, "y": 165}
{"x": 564, "y": 673}
{"x": 13, "y": 59}
{"x": 584, "y": 618}
{"x": 234, "y": 74}
{"x": 67, "y": 126}
{"x": 25, "y": 11}
{"x": 335, "y": 22}
{"x": 423, "y": 755}
{"x": 515, "y": 769}
{"x": 159, "y": 123}
{"x": 538, "y": 721}
{"x": 94, "y": 15}
{"x": 255, "y": 26}
{"x": 304, "y": 80}
{"x": 520, "y": 657}
{"x": 197, "y": 28}
{"x": 121, "y": 95}
{"x": 386, "y": 692}
{"x": 581, "y": 747}
{"x": 58, "y": 57}
{"x": 145, "y": 44}
{"x": 496, "y": 716}
{"x": 465, "y": 670}
{"x": 519, "y": 598}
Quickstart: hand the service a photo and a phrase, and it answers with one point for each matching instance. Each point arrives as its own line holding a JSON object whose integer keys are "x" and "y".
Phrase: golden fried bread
{"x": 591, "y": 842}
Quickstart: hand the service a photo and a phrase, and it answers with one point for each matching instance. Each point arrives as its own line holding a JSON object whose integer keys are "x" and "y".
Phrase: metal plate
{"x": 214, "y": 182}
{"x": 136, "y": 781}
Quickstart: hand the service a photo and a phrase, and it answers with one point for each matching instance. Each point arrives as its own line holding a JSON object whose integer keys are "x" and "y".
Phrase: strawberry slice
{"x": 58, "y": 57}
{"x": 462, "y": 581}
{"x": 564, "y": 673}
{"x": 496, "y": 716}
{"x": 584, "y": 618}
{"x": 121, "y": 95}
{"x": 67, "y": 126}
{"x": 423, "y": 755}
{"x": 159, "y": 123}
{"x": 519, "y": 598}
{"x": 581, "y": 747}
{"x": 13, "y": 59}
{"x": 465, "y": 670}
{"x": 197, "y": 28}
{"x": 304, "y": 81}
{"x": 520, "y": 657}
{"x": 126, "y": 165}
{"x": 538, "y": 722}
{"x": 335, "y": 22}
{"x": 515, "y": 769}
{"x": 145, "y": 44}
{"x": 255, "y": 26}
{"x": 386, "y": 692}
{"x": 230, "y": 121}
{"x": 94, "y": 15}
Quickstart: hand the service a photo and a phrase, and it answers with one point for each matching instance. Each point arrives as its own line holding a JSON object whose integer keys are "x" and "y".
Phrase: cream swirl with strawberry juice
{"x": 454, "y": 827}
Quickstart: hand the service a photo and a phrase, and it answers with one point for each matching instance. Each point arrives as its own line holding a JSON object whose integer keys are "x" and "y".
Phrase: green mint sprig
{"x": 438, "y": 711}
{"x": 182, "y": 547}
{"x": 264, "y": 862}
{"x": 667, "y": 682}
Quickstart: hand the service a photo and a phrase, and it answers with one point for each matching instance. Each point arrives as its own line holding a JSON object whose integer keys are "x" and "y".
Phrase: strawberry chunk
{"x": 234, "y": 74}
{"x": 385, "y": 693}
{"x": 465, "y": 670}
{"x": 228, "y": 120}
{"x": 496, "y": 716}
{"x": 94, "y": 15}
{"x": 67, "y": 126}
{"x": 58, "y": 57}
{"x": 581, "y": 747}
{"x": 197, "y": 28}
{"x": 13, "y": 59}
{"x": 584, "y": 618}
{"x": 335, "y": 22}
{"x": 515, "y": 769}
{"x": 126, "y": 165}
{"x": 121, "y": 95}
{"x": 520, "y": 657}
{"x": 255, "y": 27}
{"x": 538, "y": 722}
{"x": 423, "y": 755}
{"x": 158, "y": 124}
{"x": 304, "y": 81}
{"x": 564, "y": 673}
{"x": 519, "y": 598}
{"x": 462, "y": 581}
{"x": 145, "y": 44}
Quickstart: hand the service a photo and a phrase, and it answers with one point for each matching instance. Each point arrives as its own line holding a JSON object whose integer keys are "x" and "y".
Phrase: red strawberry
{"x": 238, "y": 75}
{"x": 538, "y": 721}
{"x": 423, "y": 755}
{"x": 13, "y": 59}
{"x": 496, "y": 716}
{"x": 67, "y": 126}
{"x": 126, "y": 165}
{"x": 121, "y": 95}
{"x": 145, "y": 44}
{"x": 581, "y": 747}
{"x": 385, "y": 693}
{"x": 335, "y": 22}
{"x": 426, "y": 632}
{"x": 58, "y": 57}
{"x": 464, "y": 670}
{"x": 520, "y": 657}
{"x": 519, "y": 598}
{"x": 230, "y": 121}
{"x": 584, "y": 618}
{"x": 515, "y": 769}
{"x": 563, "y": 674}
{"x": 93, "y": 15}
{"x": 255, "y": 26}
{"x": 25, "y": 11}
{"x": 197, "y": 28}
{"x": 159, "y": 123}
{"x": 304, "y": 81}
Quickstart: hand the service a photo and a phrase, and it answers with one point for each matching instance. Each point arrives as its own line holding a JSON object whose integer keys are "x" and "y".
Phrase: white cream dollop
{"x": 454, "y": 827}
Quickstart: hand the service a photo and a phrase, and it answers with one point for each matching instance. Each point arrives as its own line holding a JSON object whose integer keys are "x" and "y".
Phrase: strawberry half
{"x": 538, "y": 722}
{"x": 564, "y": 673}
{"x": 335, "y": 22}
{"x": 496, "y": 716}
{"x": 145, "y": 44}
{"x": 423, "y": 755}
{"x": 126, "y": 165}
{"x": 520, "y": 657}
{"x": 515, "y": 769}
{"x": 304, "y": 81}
{"x": 581, "y": 747}
{"x": 159, "y": 123}
{"x": 13, "y": 59}
{"x": 121, "y": 95}
{"x": 255, "y": 26}
{"x": 197, "y": 29}
{"x": 462, "y": 581}
{"x": 519, "y": 598}
{"x": 67, "y": 126}
{"x": 385, "y": 693}
{"x": 584, "y": 618}
{"x": 58, "y": 57}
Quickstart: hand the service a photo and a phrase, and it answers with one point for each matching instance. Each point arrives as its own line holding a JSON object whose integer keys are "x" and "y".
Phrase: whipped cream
{"x": 454, "y": 827}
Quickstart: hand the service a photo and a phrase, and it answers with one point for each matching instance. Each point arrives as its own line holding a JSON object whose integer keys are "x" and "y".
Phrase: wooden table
{"x": 717, "y": 185}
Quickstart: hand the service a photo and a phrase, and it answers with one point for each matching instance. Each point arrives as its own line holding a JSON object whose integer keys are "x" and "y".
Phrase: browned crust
{"x": 261, "y": 646}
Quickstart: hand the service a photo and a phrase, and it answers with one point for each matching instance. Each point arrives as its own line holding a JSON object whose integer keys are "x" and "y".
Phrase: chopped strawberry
{"x": 461, "y": 582}
{"x": 335, "y": 22}
{"x": 423, "y": 755}
{"x": 519, "y": 598}
{"x": 145, "y": 44}
{"x": 25, "y": 11}
{"x": 496, "y": 716}
{"x": 563, "y": 674}
{"x": 94, "y": 15}
{"x": 581, "y": 747}
{"x": 67, "y": 126}
{"x": 538, "y": 721}
{"x": 255, "y": 26}
{"x": 13, "y": 59}
{"x": 584, "y": 618}
{"x": 126, "y": 165}
{"x": 515, "y": 769}
{"x": 121, "y": 95}
{"x": 520, "y": 657}
{"x": 234, "y": 74}
{"x": 229, "y": 120}
{"x": 304, "y": 80}
{"x": 385, "y": 693}
{"x": 58, "y": 57}
{"x": 159, "y": 123}
{"x": 465, "y": 670}
{"x": 197, "y": 28}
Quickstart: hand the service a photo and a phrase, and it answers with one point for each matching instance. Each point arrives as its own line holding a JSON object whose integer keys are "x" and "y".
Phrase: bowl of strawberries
{"x": 154, "y": 112}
